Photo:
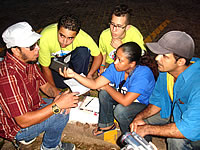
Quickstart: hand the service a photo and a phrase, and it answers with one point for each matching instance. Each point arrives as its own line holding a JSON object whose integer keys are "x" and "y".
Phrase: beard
{"x": 25, "y": 58}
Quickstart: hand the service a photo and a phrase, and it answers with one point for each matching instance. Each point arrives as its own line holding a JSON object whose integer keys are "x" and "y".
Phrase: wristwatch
{"x": 55, "y": 109}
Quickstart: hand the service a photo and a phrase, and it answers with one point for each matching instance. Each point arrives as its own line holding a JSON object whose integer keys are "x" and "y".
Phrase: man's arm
{"x": 139, "y": 119}
{"x": 95, "y": 65}
{"x": 102, "y": 67}
{"x": 50, "y": 90}
{"x": 168, "y": 130}
{"x": 48, "y": 75}
{"x": 65, "y": 101}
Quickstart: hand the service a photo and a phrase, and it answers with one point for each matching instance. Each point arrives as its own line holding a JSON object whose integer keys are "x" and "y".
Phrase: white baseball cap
{"x": 20, "y": 34}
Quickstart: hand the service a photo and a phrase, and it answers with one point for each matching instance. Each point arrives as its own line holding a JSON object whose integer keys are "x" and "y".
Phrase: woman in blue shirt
{"x": 125, "y": 88}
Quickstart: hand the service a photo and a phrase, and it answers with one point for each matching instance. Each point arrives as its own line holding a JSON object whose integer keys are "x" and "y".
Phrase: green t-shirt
{"x": 132, "y": 35}
{"x": 49, "y": 45}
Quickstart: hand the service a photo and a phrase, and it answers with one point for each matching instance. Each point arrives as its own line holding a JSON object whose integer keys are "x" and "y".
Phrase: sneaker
{"x": 27, "y": 142}
{"x": 68, "y": 146}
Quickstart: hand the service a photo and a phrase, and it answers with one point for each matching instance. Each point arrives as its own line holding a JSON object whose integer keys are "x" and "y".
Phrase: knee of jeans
{"x": 119, "y": 112}
{"x": 102, "y": 95}
{"x": 174, "y": 143}
{"x": 84, "y": 52}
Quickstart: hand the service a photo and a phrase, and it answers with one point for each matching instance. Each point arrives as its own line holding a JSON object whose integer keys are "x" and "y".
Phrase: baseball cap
{"x": 177, "y": 42}
{"x": 20, "y": 34}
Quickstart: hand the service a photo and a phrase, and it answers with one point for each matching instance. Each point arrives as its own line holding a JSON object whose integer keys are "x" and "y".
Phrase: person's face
{"x": 27, "y": 54}
{"x": 118, "y": 27}
{"x": 121, "y": 62}
{"x": 166, "y": 63}
{"x": 65, "y": 37}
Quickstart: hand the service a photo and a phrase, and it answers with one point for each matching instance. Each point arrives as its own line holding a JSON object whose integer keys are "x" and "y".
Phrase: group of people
{"x": 130, "y": 89}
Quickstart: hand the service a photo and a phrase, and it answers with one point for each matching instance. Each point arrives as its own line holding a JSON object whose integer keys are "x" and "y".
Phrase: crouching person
{"x": 173, "y": 111}
{"x": 24, "y": 115}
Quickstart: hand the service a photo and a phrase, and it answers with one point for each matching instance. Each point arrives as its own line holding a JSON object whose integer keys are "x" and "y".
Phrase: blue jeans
{"x": 110, "y": 109}
{"x": 79, "y": 62}
{"x": 52, "y": 128}
{"x": 173, "y": 143}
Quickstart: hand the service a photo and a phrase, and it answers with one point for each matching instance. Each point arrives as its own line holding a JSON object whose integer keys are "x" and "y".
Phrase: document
{"x": 75, "y": 86}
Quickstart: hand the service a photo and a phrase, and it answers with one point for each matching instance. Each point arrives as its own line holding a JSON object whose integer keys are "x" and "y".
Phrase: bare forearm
{"x": 50, "y": 90}
{"x": 122, "y": 99}
{"x": 149, "y": 111}
{"x": 168, "y": 130}
{"x": 48, "y": 75}
{"x": 34, "y": 117}
{"x": 96, "y": 64}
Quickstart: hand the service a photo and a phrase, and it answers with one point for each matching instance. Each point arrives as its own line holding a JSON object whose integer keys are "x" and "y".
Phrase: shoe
{"x": 68, "y": 146}
{"x": 64, "y": 146}
{"x": 100, "y": 131}
{"x": 27, "y": 142}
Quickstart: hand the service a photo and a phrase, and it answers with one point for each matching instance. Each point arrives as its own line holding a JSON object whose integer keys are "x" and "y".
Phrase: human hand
{"x": 65, "y": 111}
{"x": 101, "y": 70}
{"x": 115, "y": 43}
{"x": 89, "y": 76}
{"x": 67, "y": 100}
{"x": 134, "y": 125}
{"x": 67, "y": 73}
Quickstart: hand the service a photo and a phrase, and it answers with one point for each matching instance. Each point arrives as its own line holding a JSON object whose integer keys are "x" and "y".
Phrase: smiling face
{"x": 118, "y": 26}
{"x": 65, "y": 37}
{"x": 122, "y": 63}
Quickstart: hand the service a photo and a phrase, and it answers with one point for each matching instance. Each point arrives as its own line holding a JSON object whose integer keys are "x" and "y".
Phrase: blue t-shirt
{"x": 141, "y": 81}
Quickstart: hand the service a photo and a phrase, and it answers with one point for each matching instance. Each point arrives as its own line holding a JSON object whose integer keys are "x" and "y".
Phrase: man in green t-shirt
{"x": 62, "y": 38}
{"x": 120, "y": 31}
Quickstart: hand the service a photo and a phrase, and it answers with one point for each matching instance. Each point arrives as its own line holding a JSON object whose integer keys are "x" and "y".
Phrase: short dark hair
{"x": 122, "y": 10}
{"x": 177, "y": 57}
{"x": 70, "y": 22}
{"x": 133, "y": 52}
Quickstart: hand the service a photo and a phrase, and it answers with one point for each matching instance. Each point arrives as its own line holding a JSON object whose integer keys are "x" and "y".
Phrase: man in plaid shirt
{"x": 23, "y": 113}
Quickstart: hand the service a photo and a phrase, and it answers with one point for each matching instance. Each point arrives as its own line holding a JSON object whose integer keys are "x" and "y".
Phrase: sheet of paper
{"x": 75, "y": 86}
{"x": 90, "y": 104}
{"x": 86, "y": 112}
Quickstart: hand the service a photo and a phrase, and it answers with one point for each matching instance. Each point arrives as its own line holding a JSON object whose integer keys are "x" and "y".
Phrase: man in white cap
{"x": 23, "y": 114}
{"x": 174, "y": 109}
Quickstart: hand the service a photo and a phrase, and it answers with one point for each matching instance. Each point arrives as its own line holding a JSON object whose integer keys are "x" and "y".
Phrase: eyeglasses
{"x": 32, "y": 47}
{"x": 121, "y": 85}
{"x": 117, "y": 26}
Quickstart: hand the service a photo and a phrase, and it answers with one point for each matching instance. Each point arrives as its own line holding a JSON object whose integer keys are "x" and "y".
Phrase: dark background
{"x": 183, "y": 15}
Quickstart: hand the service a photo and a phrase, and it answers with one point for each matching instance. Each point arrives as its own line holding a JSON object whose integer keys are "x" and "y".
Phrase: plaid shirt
{"x": 19, "y": 92}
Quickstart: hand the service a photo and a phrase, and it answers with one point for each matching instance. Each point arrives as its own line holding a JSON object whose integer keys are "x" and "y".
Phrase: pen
{"x": 98, "y": 70}
{"x": 89, "y": 102}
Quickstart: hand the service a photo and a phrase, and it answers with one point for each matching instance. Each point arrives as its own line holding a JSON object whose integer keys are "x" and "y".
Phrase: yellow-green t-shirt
{"x": 49, "y": 45}
{"x": 132, "y": 35}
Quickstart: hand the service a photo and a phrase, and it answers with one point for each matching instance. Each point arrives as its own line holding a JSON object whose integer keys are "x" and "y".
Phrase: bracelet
{"x": 102, "y": 65}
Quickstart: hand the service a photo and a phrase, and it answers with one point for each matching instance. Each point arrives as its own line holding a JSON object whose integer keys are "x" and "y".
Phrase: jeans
{"x": 52, "y": 128}
{"x": 79, "y": 62}
{"x": 173, "y": 143}
{"x": 110, "y": 109}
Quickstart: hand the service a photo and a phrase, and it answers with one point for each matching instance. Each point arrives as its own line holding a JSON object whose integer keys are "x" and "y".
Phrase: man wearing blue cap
{"x": 23, "y": 114}
{"x": 173, "y": 111}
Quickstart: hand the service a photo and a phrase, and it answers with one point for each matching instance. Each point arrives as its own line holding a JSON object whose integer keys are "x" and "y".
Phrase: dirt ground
{"x": 81, "y": 135}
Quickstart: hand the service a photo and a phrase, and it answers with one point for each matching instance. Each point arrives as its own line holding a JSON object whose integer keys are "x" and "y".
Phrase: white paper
{"x": 75, "y": 86}
{"x": 86, "y": 114}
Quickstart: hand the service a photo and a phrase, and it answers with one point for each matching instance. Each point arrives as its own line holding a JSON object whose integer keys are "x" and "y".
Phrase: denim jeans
{"x": 52, "y": 128}
{"x": 79, "y": 62}
{"x": 110, "y": 109}
{"x": 173, "y": 143}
